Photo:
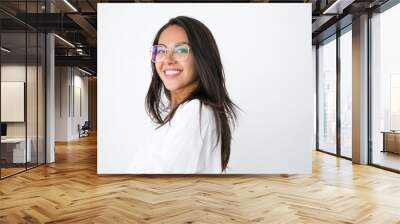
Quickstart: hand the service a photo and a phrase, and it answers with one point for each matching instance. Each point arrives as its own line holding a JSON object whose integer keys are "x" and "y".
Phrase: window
{"x": 327, "y": 96}
{"x": 22, "y": 65}
{"x": 385, "y": 89}
{"x": 346, "y": 93}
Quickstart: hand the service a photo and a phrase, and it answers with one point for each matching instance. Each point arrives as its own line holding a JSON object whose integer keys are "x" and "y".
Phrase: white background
{"x": 266, "y": 53}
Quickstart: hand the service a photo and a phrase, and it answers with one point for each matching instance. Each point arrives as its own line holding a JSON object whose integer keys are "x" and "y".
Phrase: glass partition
{"x": 346, "y": 94}
{"x": 22, "y": 77}
{"x": 32, "y": 95}
{"x": 385, "y": 89}
{"x": 327, "y": 96}
{"x": 13, "y": 109}
{"x": 41, "y": 91}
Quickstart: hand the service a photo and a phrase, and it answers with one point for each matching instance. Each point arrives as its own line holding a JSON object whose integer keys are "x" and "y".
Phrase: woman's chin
{"x": 171, "y": 88}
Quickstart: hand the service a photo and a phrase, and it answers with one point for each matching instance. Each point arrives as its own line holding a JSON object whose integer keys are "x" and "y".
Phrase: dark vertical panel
{"x": 369, "y": 91}
{"x": 26, "y": 80}
{"x": 92, "y": 103}
{"x": 338, "y": 93}
{"x": 69, "y": 100}
{"x": 73, "y": 91}
{"x": 60, "y": 86}
{"x": 46, "y": 3}
{"x": 1, "y": 163}
{"x": 317, "y": 95}
{"x": 37, "y": 90}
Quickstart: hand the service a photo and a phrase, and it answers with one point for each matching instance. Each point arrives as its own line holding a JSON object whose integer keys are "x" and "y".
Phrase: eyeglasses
{"x": 179, "y": 53}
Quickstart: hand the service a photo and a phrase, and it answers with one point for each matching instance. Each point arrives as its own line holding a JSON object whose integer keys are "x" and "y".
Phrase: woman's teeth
{"x": 172, "y": 72}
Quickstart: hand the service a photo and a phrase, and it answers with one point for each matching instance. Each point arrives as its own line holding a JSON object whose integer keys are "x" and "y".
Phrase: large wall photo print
{"x": 205, "y": 88}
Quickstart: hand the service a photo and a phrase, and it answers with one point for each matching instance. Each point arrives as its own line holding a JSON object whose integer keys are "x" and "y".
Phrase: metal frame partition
{"x": 382, "y": 8}
{"x": 387, "y": 5}
{"x": 36, "y": 34}
{"x": 337, "y": 35}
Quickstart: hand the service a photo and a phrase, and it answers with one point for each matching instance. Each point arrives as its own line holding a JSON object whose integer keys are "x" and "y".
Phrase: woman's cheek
{"x": 158, "y": 69}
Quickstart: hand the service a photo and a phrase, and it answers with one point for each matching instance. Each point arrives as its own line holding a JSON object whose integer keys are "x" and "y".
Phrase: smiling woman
{"x": 175, "y": 66}
{"x": 197, "y": 116}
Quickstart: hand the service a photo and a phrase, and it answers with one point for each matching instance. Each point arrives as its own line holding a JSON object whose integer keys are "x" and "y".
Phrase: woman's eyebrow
{"x": 182, "y": 42}
{"x": 174, "y": 44}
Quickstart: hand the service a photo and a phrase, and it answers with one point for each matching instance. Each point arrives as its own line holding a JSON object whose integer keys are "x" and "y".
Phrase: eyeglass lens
{"x": 180, "y": 52}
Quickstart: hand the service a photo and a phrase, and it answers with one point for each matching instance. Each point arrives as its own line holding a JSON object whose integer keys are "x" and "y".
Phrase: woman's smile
{"x": 172, "y": 73}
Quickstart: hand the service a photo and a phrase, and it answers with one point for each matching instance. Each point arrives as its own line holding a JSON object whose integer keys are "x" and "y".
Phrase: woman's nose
{"x": 169, "y": 57}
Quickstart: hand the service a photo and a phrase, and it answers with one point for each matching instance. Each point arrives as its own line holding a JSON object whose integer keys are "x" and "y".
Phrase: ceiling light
{"x": 70, "y": 5}
{"x": 329, "y": 9}
{"x": 64, "y": 40}
{"x": 84, "y": 71}
{"x": 338, "y": 6}
{"x": 5, "y": 50}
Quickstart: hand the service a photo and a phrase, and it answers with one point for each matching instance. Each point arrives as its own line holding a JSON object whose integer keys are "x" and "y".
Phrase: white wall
{"x": 33, "y": 127}
{"x": 61, "y": 103}
{"x": 79, "y": 117}
{"x": 266, "y": 52}
{"x": 16, "y": 72}
{"x": 12, "y": 101}
{"x": 67, "y": 84}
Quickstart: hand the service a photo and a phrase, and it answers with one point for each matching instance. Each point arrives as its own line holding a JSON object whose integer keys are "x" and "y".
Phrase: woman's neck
{"x": 178, "y": 96}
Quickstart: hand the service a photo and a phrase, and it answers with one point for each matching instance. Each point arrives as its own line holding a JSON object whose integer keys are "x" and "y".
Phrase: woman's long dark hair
{"x": 211, "y": 88}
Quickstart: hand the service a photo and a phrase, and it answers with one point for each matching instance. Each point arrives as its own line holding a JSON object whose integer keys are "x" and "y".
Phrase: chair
{"x": 84, "y": 130}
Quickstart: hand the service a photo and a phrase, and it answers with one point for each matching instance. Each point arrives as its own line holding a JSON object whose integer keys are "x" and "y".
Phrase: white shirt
{"x": 183, "y": 146}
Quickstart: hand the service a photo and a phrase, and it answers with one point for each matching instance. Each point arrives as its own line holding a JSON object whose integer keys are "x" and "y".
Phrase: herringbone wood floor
{"x": 70, "y": 191}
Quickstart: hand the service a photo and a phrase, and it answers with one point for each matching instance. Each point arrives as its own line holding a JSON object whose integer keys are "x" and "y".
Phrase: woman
{"x": 188, "y": 101}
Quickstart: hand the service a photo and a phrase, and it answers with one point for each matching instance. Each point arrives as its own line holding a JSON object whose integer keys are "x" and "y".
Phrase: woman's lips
{"x": 171, "y": 73}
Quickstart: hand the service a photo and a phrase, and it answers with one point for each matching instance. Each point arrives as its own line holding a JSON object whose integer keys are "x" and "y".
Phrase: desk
{"x": 15, "y": 148}
{"x": 391, "y": 141}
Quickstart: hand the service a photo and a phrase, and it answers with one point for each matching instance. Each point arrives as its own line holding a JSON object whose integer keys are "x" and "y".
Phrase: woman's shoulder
{"x": 195, "y": 109}
{"x": 196, "y": 116}
{"x": 194, "y": 106}
{"x": 191, "y": 104}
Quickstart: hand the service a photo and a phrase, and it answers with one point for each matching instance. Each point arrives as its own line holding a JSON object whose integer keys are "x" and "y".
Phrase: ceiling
{"x": 76, "y": 22}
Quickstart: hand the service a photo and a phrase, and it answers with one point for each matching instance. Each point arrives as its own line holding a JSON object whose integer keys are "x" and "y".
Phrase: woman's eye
{"x": 182, "y": 50}
{"x": 160, "y": 51}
